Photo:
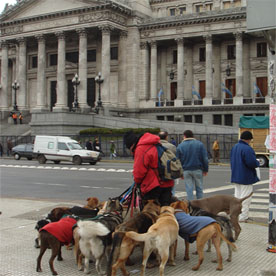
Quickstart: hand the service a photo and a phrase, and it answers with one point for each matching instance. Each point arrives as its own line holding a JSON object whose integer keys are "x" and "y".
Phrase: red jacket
{"x": 146, "y": 164}
{"x": 61, "y": 229}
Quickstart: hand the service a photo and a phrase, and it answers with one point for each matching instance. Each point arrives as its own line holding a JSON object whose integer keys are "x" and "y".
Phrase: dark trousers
{"x": 163, "y": 195}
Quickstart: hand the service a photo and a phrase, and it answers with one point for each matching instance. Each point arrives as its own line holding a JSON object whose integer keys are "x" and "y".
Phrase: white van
{"x": 61, "y": 148}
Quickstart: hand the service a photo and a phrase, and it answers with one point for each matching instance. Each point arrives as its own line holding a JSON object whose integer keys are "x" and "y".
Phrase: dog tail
{"x": 90, "y": 229}
{"x": 137, "y": 237}
{"x": 233, "y": 246}
{"x": 115, "y": 250}
{"x": 246, "y": 197}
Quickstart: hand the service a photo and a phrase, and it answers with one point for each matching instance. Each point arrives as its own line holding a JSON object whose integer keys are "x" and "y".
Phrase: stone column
{"x": 4, "y": 77}
{"x": 82, "y": 87}
{"x": 122, "y": 70}
{"x": 144, "y": 71}
{"x": 105, "y": 87}
{"x": 22, "y": 75}
{"x": 61, "y": 104}
{"x": 217, "y": 71}
{"x": 41, "y": 77}
{"x": 153, "y": 71}
{"x": 209, "y": 71}
{"x": 188, "y": 50}
{"x": 239, "y": 69}
{"x": 180, "y": 68}
{"x": 247, "y": 91}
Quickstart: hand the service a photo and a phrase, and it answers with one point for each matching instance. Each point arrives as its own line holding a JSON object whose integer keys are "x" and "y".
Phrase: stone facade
{"x": 168, "y": 60}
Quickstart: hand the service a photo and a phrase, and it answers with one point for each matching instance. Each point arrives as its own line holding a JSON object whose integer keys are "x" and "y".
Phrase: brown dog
{"x": 92, "y": 203}
{"x": 161, "y": 236}
{"x": 57, "y": 213}
{"x": 223, "y": 203}
{"x": 122, "y": 246}
{"x": 54, "y": 235}
{"x": 211, "y": 231}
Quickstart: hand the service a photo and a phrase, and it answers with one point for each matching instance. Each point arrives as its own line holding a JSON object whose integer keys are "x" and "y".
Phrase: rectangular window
{"x": 226, "y": 5}
{"x": 261, "y": 49}
{"x": 228, "y": 120}
{"x": 198, "y": 8}
{"x": 174, "y": 56}
{"x": 262, "y": 84}
{"x": 202, "y": 89}
{"x": 208, "y": 7}
{"x": 62, "y": 146}
{"x": 202, "y": 55}
{"x": 91, "y": 55}
{"x": 114, "y": 53}
{"x": 237, "y": 3}
{"x": 72, "y": 57}
{"x": 182, "y": 10}
{"x": 198, "y": 119}
{"x": 172, "y": 12}
{"x": 217, "y": 120}
{"x": 53, "y": 59}
{"x": 34, "y": 62}
{"x": 260, "y": 114}
{"x": 170, "y": 118}
{"x": 188, "y": 118}
{"x": 231, "y": 51}
{"x": 160, "y": 118}
{"x": 50, "y": 145}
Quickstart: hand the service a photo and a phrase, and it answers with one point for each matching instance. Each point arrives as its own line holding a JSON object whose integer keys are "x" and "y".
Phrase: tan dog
{"x": 211, "y": 231}
{"x": 92, "y": 203}
{"x": 161, "y": 236}
{"x": 223, "y": 203}
{"x": 122, "y": 246}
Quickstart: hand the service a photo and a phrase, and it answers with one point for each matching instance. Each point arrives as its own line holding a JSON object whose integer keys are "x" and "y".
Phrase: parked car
{"x": 23, "y": 150}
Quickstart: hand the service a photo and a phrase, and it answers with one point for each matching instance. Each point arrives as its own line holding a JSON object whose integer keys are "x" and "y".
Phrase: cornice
{"x": 194, "y": 18}
{"x": 107, "y": 5}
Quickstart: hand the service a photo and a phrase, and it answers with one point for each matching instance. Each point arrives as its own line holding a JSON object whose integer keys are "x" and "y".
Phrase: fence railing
{"x": 226, "y": 142}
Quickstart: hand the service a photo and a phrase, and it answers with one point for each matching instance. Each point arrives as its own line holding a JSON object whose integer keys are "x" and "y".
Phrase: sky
{"x": 3, "y": 3}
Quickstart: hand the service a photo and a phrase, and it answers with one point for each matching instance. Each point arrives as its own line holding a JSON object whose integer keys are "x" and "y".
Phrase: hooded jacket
{"x": 146, "y": 163}
{"x": 243, "y": 164}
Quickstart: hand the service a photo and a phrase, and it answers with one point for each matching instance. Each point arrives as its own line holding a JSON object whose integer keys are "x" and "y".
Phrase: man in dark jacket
{"x": 145, "y": 167}
{"x": 243, "y": 171}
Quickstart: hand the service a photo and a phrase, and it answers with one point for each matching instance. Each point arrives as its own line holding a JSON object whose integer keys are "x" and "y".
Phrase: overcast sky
{"x": 3, "y": 3}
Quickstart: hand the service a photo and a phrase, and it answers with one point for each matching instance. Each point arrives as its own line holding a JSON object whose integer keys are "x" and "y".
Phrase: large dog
{"x": 223, "y": 203}
{"x": 224, "y": 222}
{"x": 96, "y": 236}
{"x": 122, "y": 246}
{"x": 54, "y": 235}
{"x": 161, "y": 236}
{"x": 203, "y": 230}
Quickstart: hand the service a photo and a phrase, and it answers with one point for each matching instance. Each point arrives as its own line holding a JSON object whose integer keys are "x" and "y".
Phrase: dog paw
{"x": 60, "y": 259}
{"x": 186, "y": 259}
{"x": 229, "y": 260}
{"x": 171, "y": 263}
{"x": 195, "y": 268}
{"x": 38, "y": 270}
{"x": 214, "y": 261}
{"x": 220, "y": 268}
{"x": 54, "y": 273}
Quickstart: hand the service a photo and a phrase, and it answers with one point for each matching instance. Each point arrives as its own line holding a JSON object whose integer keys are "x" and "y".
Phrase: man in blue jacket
{"x": 194, "y": 159}
{"x": 243, "y": 171}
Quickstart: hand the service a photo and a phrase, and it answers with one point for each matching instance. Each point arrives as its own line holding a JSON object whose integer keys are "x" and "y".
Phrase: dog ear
{"x": 88, "y": 199}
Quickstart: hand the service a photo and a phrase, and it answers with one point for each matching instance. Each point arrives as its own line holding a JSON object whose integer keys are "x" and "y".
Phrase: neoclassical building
{"x": 172, "y": 60}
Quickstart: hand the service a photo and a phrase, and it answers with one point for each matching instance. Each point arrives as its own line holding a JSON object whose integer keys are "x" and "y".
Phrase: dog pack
{"x": 169, "y": 166}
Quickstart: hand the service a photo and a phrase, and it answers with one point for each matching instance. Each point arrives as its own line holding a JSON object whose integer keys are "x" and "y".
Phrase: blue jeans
{"x": 193, "y": 179}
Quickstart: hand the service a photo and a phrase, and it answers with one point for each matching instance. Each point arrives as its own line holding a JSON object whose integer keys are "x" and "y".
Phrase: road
{"x": 67, "y": 182}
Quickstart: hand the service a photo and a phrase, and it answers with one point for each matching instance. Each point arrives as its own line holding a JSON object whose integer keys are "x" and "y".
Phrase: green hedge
{"x": 121, "y": 131}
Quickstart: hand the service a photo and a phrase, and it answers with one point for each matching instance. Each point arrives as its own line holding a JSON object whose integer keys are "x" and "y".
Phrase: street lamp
{"x": 99, "y": 80}
{"x": 15, "y": 87}
{"x": 76, "y": 82}
{"x": 171, "y": 75}
{"x": 228, "y": 71}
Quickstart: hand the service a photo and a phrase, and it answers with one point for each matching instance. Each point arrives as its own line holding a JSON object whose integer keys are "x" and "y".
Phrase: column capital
{"x": 106, "y": 29}
{"x": 21, "y": 40}
{"x": 143, "y": 45}
{"x": 153, "y": 44}
{"x": 4, "y": 44}
{"x": 238, "y": 36}
{"x": 208, "y": 38}
{"x": 179, "y": 40}
{"x": 82, "y": 32}
{"x": 60, "y": 35}
{"x": 40, "y": 38}
{"x": 123, "y": 34}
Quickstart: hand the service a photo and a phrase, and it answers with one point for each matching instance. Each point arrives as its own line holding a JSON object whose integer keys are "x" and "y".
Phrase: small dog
{"x": 205, "y": 229}
{"x": 96, "y": 235}
{"x": 54, "y": 235}
{"x": 161, "y": 236}
{"x": 122, "y": 247}
{"x": 57, "y": 213}
{"x": 92, "y": 203}
{"x": 222, "y": 203}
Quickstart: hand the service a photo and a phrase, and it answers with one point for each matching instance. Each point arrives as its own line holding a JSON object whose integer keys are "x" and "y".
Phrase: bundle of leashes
{"x": 132, "y": 198}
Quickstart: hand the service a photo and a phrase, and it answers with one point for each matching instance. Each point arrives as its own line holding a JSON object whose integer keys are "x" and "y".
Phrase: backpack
{"x": 169, "y": 166}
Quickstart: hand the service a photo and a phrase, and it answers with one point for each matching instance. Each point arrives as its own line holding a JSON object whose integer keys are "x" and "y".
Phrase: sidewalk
{"x": 18, "y": 255}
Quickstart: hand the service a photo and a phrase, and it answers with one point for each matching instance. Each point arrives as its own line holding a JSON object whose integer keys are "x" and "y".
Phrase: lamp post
{"x": 76, "y": 82}
{"x": 171, "y": 75}
{"x": 15, "y": 87}
{"x": 99, "y": 80}
{"x": 228, "y": 71}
